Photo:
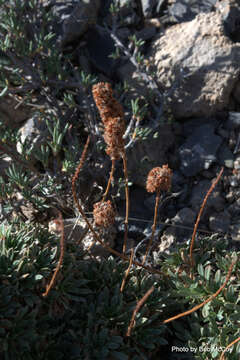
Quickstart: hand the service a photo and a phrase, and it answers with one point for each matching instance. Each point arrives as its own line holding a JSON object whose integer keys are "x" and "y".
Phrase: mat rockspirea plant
{"x": 57, "y": 301}
{"x": 57, "y": 304}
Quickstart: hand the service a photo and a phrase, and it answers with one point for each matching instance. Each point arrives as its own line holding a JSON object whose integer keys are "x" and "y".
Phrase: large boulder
{"x": 199, "y": 62}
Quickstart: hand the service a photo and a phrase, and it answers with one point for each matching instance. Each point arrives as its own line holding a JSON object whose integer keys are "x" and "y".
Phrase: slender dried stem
{"x": 154, "y": 226}
{"x": 137, "y": 308}
{"x": 228, "y": 347}
{"x": 127, "y": 271}
{"x": 124, "y": 157}
{"x": 109, "y": 180}
{"x": 200, "y": 214}
{"x": 82, "y": 159}
{"x": 60, "y": 261}
{"x": 195, "y": 308}
{"x": 95, "y": 235}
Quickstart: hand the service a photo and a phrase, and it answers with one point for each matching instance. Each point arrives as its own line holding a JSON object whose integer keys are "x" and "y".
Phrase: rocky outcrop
{"x": 200, "y": 62}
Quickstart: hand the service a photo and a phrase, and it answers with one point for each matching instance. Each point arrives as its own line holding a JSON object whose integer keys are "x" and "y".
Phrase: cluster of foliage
{"x": 86, "y": 315}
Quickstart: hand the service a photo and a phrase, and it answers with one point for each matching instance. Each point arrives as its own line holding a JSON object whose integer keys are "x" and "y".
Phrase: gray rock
{"x": 230, "y": 11}
{"x": 233, "y": 120}
{"x": 230, "y": 197}
{"x": 237, "y": 163}
{"x": 130, "y": 13}
{"x": 199, "y": 63}
{"x": 168, "y": 239}
{"x": 234, "y": 209}
{"x": 148, "y": 231}
{"x": 11, "y": 113}
{"x": 219, "y": 222}
{"x": 149, "y": 203}
{"x": 107, "y": 235}
{"x": 225, "y": 156}
{"x": 236, "y": 92}
{"x": 235, "y": 232}
{"x": 32, "y": 135}
{"x": 76, "y": 231}
{"x": 146, "y": 154}
{"x": 148, "y": 7}
{"x": 137, "y": 87}
{"x": 183, "y": 10}
{"x": 61, "y": 12}
{"x": 199, "y": 151}
{"x": 215, "y": 201}
{"x": 135, "y": 231}
{"x": 97, "y": 39}
{"x": 146, "y": 33}
{"x": 82, "y": 17}
{"x": 208, "y": 174}
{"x": 184, "y": 217}
{"x": 234, "y": 181}
{"x": 190, "y": 126}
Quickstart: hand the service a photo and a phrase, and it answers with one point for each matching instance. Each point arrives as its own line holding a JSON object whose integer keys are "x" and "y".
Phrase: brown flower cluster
{"x": 107, "y": 105}
{"x": 111, "y": 113}
{"x": 113, "y": 136}
{"x": 103, "y": 213}
{"x": 159, "y": 178}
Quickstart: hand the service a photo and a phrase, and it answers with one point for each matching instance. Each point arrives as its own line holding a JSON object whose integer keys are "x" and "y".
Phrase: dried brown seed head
{"x": 111, "y": 113}
{"x": 103, "y": 213}
{"x": 113, "y": 136}
{"x": 107, "y": 105}
{"x": 159, "y": 178}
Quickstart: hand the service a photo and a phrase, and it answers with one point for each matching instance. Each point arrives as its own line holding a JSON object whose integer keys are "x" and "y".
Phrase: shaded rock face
{"x": 82, "y": 17}
{"x": 149, "y": 153}
{"x": 11, "y": 113}
{"x": 199, "y": 151}
{"x": 201, "y": 62}
{"x": 184, "y": 10}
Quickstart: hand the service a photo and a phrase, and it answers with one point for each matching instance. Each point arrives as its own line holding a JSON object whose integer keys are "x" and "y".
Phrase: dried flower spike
{"x": 112, "y": 116}
{"x": 103, "y": 213}
{"x": 107, "y": 105}
{"x": 159, "y": 178}
{"x": 113, "y": 136}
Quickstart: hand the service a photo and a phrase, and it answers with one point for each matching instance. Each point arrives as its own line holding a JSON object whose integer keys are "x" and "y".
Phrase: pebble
{"x": 219, "y": 222}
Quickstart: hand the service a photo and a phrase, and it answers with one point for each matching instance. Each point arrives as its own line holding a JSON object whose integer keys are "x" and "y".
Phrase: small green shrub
{"x": 87, "y": 315}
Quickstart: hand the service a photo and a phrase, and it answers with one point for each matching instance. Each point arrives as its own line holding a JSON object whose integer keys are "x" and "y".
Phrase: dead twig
{"x": 200, "y": 214}
{"x": 137, "y": 308}
{"x": 195, "y": 308}
{"x": 228, "y": 347}
{"x": 127, "y": 271}
{"x": 60, "y": 261}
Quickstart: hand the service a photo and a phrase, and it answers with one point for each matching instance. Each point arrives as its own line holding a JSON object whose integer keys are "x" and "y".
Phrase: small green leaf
{"x": 200, "y": 270}
{"x": 205, "y": 310}
{"x": 3, "y": 92}
{"x": 38, "y": 277}
{"x": 207, "y": 272}
{"x": 218, "y": 276}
